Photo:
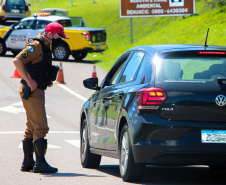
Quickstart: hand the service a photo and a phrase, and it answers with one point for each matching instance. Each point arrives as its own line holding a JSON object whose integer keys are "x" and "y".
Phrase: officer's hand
{"x": 32, "y": 84}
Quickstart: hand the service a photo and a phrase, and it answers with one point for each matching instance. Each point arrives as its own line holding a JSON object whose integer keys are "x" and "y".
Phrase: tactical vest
{"x": 40, "y": 71}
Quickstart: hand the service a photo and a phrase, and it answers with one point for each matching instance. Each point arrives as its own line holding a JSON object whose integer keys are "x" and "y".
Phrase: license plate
{"x": 15, "y": 11}
{"x": 213, "y": 136}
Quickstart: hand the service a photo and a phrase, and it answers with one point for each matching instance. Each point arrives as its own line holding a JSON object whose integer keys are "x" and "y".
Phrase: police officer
{"x": 34, "y": 63}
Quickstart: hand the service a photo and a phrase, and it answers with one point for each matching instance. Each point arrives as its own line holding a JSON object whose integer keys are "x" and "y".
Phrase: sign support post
{"x": 131, "y": 30}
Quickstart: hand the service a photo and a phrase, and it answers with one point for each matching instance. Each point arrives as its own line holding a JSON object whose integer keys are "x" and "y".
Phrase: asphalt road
{"x": 63, "y": 105}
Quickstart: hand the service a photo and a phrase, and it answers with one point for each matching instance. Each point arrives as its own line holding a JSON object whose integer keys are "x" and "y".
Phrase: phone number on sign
{"x": 169, "y": 11}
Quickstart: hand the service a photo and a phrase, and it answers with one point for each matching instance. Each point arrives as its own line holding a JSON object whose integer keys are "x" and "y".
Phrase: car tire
{"x": 2, "y": 48}
{"x": 79, "y": 55}
{"x": 88, "y": 160}
{"x": 61, "y": 52}
{"x": 130, "y": 171}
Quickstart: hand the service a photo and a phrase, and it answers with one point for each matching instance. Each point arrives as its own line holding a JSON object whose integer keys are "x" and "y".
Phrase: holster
{"x": 26, "y": 90}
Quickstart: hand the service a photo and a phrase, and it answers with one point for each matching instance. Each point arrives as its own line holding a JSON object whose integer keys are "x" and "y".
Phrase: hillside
{"x": 146, "y": 31}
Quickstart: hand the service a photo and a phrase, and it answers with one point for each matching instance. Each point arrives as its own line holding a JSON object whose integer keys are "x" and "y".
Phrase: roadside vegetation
{"x": 146, "y": 31}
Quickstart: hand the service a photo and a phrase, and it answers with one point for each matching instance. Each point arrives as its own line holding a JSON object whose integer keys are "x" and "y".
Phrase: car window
{"x": 65, "y": 23}
{"x": 41, "y": 24}
{"x": 116, "y": 75}
{"x": 205, "y": 70}
{"x": 77, "y": 21}
{"x": 15, "y": 2}
{"x": 132, "y": 67}
{"x": 116, "y": 70}
{"x": 29, "y": 24}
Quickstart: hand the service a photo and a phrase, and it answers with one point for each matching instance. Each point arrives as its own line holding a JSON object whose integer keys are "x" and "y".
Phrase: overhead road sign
{"x": 154, "y": 8}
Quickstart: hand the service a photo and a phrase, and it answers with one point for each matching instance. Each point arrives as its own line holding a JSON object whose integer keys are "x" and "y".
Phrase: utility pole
{"x": 71, "y": 2}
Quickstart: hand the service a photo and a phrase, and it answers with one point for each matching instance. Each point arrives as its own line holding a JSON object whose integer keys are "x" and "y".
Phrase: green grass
{"x": 146, "y": 31}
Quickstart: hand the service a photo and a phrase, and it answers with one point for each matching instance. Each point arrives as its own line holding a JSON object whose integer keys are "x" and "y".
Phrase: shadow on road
{"x": 183, "y": 175}
{"x": 187, "y": 175}
{"x": 110, "y": 169}
{"x": 69, "y": 175}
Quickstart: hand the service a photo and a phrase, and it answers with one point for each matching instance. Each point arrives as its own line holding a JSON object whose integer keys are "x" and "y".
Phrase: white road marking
{"x": 74, "y": 142}
{"x": 16, "y": 108}
{"x": 12, "y": 109}
{"x": 72, "y": 92}
{"x": 20, "y": 145}
{"x": 64, "y": 132}
{"x": 18, "y": 104}
{"x": 49, "y": 146}
{"x": 50, "y": 132}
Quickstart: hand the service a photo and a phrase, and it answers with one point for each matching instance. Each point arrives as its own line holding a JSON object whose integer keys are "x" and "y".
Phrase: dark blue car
{"x": 160, "y": 105}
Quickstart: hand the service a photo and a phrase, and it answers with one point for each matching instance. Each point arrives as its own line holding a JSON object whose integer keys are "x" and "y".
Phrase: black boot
{"x": 41, "y": 166}
{"x": 28, "y": 162}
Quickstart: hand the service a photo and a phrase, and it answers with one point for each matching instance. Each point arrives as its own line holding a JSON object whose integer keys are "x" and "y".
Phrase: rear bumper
{"x": 96, "y": 48}
{"x": 13, "y": 17}
{"x": 179, "y": 155}
{"x": 168, "y": 142}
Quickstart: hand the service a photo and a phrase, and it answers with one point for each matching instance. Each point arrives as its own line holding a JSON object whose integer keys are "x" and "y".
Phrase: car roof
{"x": 55, "y": 10}
{"x": 47, "y": 18}
{"x": 178, "y": 47}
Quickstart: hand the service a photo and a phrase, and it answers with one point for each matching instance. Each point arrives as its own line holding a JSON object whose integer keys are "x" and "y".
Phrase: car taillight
{"x": 212, "y": 52}
{"x": 87, "y": 36}
{"x": 150, "y": 98}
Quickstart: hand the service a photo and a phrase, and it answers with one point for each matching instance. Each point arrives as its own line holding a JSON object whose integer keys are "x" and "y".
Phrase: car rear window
{"x": 15, "y": 2}
{"x": 77, "y": 21}
{"x": 190, "y": 70}
{"x": 65, "y": 23}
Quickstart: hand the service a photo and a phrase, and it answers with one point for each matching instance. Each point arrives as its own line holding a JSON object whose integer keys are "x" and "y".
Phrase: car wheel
{"x": 61, "y": 52}
{"x": 2, "y": 48}
{"x": 129, "y": 170}
{"x": 79, "y": 55}
{"x": 88, "y": 160}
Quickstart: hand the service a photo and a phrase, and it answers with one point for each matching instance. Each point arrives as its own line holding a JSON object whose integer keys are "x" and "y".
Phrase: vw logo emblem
{"x": 220, "y": 100}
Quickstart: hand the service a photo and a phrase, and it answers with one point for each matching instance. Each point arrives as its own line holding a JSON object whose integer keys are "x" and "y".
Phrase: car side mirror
{"x": 91, "y": 83}
{"x": 12, "y": 26}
